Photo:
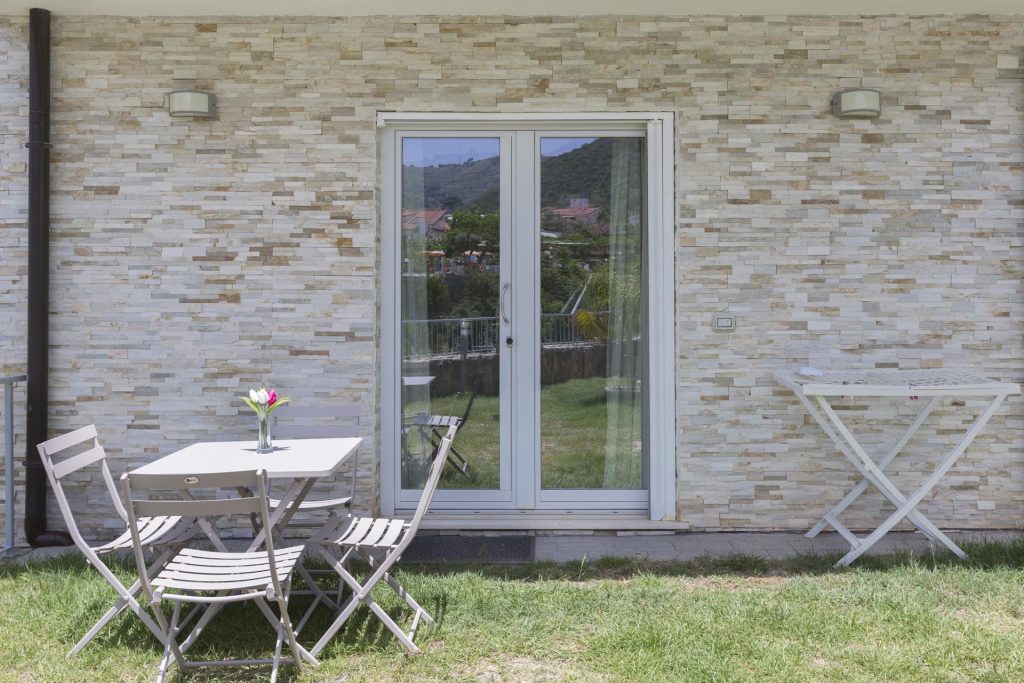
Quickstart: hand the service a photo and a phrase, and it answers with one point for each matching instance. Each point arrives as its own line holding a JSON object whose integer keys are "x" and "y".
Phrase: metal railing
{"x": 455, "y": 336}
{"x": 8, "y": 382}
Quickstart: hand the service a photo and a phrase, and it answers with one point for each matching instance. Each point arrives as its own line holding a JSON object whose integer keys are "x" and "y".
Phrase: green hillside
{"x": 582, "y": 172}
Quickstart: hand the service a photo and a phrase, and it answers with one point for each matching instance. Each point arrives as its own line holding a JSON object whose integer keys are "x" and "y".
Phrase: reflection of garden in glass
{"x": 591, "y": 281}
{"x": 590, "y": 296}
{"x": 450, "y": 237}
{"x": 574, "y": 460}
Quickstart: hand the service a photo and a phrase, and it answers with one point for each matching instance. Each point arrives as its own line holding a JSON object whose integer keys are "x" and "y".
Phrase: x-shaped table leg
{"x": 906, "y": 508}
{"x": 833, "y": 514}
{"x": 853, "y": 451}
{"x": 873, "y": 473}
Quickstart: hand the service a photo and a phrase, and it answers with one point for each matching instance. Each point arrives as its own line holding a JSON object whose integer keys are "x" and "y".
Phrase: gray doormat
{"x": 484, "y": 549}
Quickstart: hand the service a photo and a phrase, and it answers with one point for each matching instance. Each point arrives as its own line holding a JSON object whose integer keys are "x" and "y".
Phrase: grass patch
{"x": 892, "y": 618}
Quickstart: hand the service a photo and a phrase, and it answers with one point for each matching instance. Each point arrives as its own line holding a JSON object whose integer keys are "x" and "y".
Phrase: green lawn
{"x": 574, "y": 438}
{"x": 895, "y": 618}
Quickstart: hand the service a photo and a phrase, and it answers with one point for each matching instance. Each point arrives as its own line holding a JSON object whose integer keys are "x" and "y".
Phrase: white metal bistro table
{"x": 814, "y": 390}
{"x": 301, "y": 461}
{"x": 417, "y": 380}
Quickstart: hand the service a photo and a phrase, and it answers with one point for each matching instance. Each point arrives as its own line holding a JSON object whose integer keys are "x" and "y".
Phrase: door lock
{"x": 508, "y": 341}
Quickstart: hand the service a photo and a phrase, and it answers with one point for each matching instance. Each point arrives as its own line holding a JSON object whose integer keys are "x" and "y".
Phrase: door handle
{"x": 501, "y": 304}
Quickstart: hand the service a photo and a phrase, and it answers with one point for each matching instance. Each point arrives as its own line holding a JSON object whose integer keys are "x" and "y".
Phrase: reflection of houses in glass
{"x": 430, "y": 223}
{"x": 579, "y": 212}
{"x": 484, "y": 262}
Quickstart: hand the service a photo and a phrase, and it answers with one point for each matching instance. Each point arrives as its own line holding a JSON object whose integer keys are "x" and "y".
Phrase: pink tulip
{"x": 271, "y": 398}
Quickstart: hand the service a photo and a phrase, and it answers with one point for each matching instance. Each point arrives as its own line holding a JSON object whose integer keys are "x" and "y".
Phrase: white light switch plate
{"x": 723, "y": 323}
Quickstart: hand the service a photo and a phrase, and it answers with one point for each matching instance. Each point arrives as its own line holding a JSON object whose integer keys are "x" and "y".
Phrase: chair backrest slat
{"x": 292, "y": 421}
{"x": 65, "y": 441}
{"x": 433, "y": 479}
{"x": 55, "y": 471}
{"x": 197, "y": 508}
{"x": 77, "y": 462}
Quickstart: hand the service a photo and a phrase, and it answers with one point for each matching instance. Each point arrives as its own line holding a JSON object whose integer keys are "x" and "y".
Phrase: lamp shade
{"x": 857, "y": 104}
{"x": 191, "y": 103}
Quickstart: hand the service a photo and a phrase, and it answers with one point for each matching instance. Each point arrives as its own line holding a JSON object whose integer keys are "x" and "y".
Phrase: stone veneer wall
{"x": 192, "y": 259}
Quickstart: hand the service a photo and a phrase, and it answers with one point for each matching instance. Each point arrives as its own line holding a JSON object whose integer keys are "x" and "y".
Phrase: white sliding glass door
{"x": 592, "y": 347}
{"x": 517, "y": 268}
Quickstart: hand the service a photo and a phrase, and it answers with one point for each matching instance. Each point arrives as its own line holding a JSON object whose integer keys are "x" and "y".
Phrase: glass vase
{"x": 264, "y": 445}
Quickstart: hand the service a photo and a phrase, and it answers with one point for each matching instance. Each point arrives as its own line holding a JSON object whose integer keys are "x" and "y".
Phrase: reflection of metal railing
{"x": 454, "y": 336}
{"x": 7, "y": 387}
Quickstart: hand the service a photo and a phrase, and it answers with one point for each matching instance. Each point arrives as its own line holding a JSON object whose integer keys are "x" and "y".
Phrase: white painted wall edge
{"x": 341, "y": 8}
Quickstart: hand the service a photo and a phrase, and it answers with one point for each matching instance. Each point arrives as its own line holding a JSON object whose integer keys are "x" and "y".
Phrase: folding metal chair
{"x": 159, "y": 533}
{"x": 292, "y": 421}
{"x": 380, "y": 543}
{"x": 213, "y": 577}
{"x": 295, "y": 421}
{"x": 430, "y": 427}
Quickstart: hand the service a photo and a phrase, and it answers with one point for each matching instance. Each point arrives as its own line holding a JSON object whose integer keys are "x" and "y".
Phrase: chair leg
{"x": 275, "y": 620}
{"x": 126, "y": 598}
{"x": 315, "y": 589}
{"x": 398, "y": 589}
{"x": 117, "y": 608}
{"x": 170, "y": 640}
{"x": 402, "y": 636}
{"x": 277, "y": 651}
{"x": 363, "y": 594}
{"x": 282, "y": 602}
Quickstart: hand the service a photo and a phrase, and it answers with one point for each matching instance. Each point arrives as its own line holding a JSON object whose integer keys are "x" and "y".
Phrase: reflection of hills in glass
{"x": 583, "y": 171}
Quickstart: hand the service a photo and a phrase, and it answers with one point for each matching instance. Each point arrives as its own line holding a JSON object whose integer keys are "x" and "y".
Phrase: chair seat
{"x": 365, "y": 532}
{"x": 441, "y": 421}
{"x": 210, "y": 570}
{"x": 325, "y": 504}
{"x": 153, "y": 531}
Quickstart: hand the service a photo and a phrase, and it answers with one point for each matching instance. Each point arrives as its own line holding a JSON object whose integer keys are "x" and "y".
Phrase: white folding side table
{"x": 301, "y": 461}
{"x": 814, "y": 392}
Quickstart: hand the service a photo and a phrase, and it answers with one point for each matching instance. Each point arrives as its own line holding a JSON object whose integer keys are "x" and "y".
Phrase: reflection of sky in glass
{"x": 439, "y": 151}
{"x": 552, "y": 147}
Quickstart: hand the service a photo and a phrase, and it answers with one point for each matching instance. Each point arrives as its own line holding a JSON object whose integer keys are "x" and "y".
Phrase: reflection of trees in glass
{"x": 479, "y": 296}
{"x": 562, "y": 275}
{"x": 620, "y": 295}
{"x": 438, "y": 297}
{"x": 471, "y": 232}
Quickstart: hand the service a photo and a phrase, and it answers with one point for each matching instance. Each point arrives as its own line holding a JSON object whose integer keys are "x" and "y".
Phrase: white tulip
{"x": 253, "y": 396}
{"x": 263, "y": 396}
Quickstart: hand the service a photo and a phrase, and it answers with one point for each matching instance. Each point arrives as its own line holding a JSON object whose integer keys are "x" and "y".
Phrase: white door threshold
{"x": 546, "y": 521}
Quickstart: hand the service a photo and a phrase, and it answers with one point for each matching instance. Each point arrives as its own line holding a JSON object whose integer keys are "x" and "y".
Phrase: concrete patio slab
{"x": 681, "y": 547}
{"x": 672, "y": 547}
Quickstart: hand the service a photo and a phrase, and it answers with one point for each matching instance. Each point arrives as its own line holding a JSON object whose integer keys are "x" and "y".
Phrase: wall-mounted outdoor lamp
{"x": 192, "y": 103}
{"x": 857, "y": 104}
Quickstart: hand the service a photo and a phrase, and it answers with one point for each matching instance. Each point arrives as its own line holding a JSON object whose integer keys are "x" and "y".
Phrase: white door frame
{"x": 660, "y": 265}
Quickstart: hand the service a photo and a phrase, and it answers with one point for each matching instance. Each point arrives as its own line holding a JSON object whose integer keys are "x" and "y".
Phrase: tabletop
{"x": 937, "y": 382}
{"x": 290, "y": 459}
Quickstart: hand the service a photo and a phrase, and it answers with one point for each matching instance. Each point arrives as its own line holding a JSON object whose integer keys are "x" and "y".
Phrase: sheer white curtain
{"x": 623, "y": 444}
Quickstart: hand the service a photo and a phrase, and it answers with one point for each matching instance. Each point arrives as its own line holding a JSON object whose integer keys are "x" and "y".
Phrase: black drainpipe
{"x": 38, "y": 279}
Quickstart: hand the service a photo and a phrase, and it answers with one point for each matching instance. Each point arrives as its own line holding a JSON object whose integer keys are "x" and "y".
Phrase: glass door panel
{"x": 449, "y": 298}
{"x": 592, "y": 347}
